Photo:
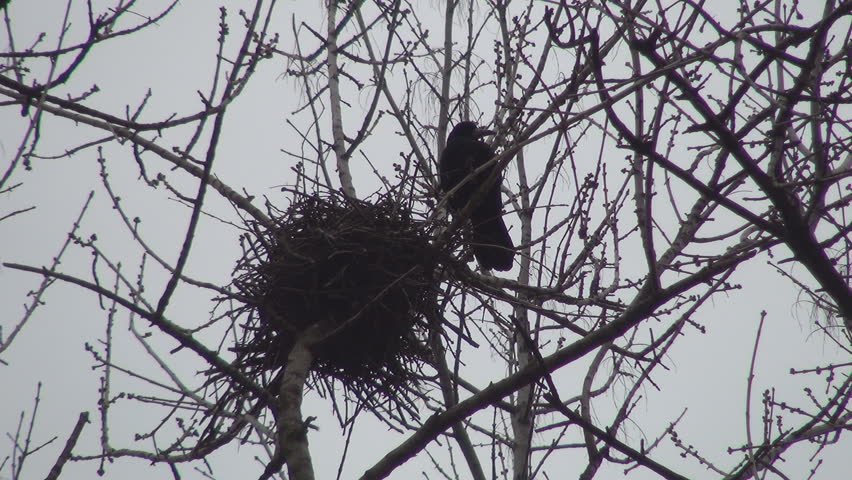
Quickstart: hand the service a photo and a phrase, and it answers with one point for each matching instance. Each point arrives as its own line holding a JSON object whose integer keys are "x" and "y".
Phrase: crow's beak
{"x": 483, "y": 132}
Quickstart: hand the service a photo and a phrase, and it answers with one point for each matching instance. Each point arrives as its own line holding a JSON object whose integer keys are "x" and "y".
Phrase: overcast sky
{"x": 174, "y": 59}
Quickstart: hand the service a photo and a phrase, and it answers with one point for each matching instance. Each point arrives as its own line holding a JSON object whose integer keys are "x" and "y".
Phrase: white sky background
{"x": 174, "y": 59}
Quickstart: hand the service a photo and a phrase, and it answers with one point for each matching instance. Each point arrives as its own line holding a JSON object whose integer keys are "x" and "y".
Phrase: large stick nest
{"x": 363, "y": 273}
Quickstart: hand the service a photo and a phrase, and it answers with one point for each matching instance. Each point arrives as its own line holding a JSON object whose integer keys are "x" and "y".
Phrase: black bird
{"x": 464, "y": 153}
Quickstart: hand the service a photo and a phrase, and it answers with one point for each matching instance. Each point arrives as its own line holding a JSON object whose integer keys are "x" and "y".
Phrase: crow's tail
{"x": 492, "y": 245}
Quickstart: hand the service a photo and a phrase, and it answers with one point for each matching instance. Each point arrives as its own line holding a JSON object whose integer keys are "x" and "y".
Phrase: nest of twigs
{"x": 363, "y": 272}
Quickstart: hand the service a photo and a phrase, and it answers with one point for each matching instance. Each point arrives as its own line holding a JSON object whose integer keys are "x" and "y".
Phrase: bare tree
{"x": 660, "y": 159}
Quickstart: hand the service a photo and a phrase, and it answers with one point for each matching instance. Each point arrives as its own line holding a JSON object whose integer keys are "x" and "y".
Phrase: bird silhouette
{"x": 465, "y": 152}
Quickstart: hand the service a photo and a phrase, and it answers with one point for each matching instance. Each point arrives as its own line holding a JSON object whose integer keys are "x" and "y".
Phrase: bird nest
{"x": 362, "y": 273}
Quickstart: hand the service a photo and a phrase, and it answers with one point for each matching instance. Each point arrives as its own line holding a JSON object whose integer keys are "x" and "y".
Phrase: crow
{"x": 465, "y": 152}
